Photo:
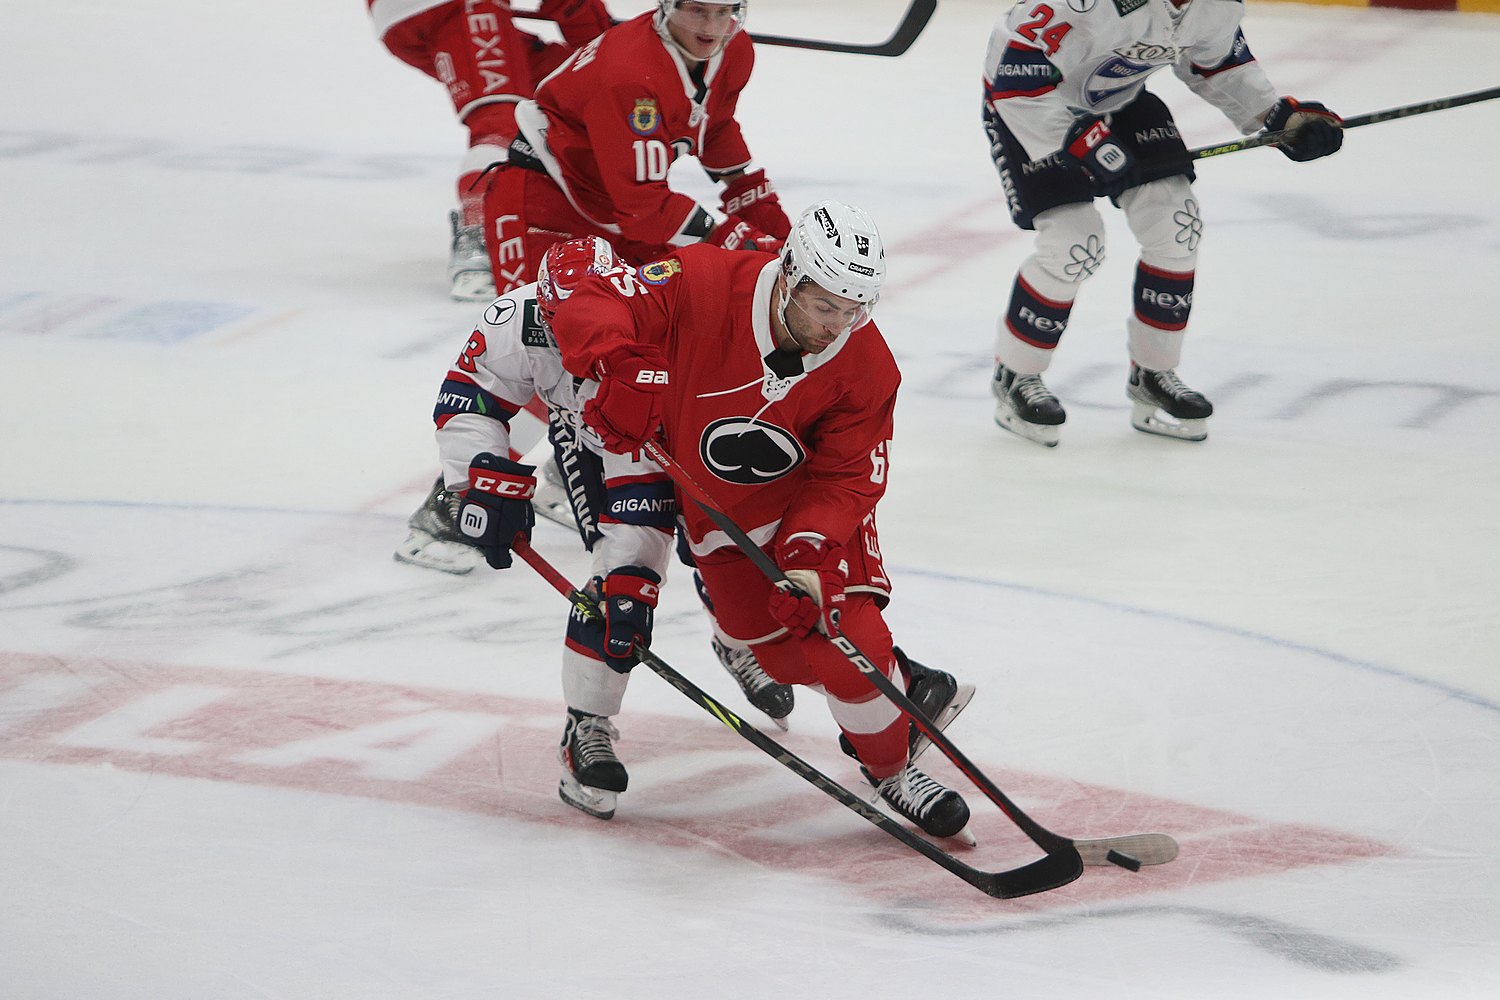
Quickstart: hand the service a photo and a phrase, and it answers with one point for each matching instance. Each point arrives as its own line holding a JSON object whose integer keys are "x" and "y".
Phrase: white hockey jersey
{"x": 1050, "y": 62}
{"x": 506, "y": 359}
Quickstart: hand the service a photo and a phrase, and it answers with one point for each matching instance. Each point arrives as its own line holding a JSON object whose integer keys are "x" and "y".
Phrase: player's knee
{"x": 585, "y": 638}
{"x": 863, "y": 624}
{"x": 1070, "y": 242}
{"x": 1166, "y": 221}
{"x": 784, "y": 662}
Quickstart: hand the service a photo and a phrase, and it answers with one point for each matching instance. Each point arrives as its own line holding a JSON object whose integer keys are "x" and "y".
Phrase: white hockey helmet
{"x": 564, "y": 266}
{"x": 697, "y": 17}
{"x": 838, "y": 247}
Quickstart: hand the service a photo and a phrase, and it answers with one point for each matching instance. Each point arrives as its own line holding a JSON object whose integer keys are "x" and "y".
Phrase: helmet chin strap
{"x": 665, "y": 31}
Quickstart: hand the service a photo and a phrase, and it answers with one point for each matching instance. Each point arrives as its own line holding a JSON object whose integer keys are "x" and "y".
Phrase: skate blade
{"x": 1042, "y": 434}
{"x": 421, "y": 549}
{"x": 965, "y": 837}
{"x": 1153, "y": 420}
{"x": 473, "y": 286}
{"x": 595, "y": 801}
{"x": 958, "y": 704}
{"x": 781, "y": 723}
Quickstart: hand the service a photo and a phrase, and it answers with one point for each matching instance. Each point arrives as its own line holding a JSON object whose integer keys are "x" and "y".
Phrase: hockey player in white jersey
{"x": 1069, "y": 120}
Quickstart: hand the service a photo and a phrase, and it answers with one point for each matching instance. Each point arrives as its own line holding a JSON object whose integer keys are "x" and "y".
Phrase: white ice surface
{"x": 244, "y": 754}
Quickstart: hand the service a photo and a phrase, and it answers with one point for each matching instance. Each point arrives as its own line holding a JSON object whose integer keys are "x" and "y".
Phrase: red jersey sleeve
{"x": 607, "y": 311}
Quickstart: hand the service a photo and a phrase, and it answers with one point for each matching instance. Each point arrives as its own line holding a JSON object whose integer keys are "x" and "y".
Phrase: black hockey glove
{"x": 1319, "y": 132}
{"x": 497, "y": 506}
{"x": 1099, "y": 151}
{"x": 629, "y": 598}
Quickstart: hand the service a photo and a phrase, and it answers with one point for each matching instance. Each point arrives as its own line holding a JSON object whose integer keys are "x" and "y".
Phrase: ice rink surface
{"x": 245, "y": 755}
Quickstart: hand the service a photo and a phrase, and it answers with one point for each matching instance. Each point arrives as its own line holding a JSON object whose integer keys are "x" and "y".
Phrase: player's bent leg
{"x": 1069, "y": 249}
{"x": 1163, "y": 215}
{"x": 592, "y": 774}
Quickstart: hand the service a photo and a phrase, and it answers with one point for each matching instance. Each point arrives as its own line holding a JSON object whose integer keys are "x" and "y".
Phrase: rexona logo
{"x": 748, "y": 452}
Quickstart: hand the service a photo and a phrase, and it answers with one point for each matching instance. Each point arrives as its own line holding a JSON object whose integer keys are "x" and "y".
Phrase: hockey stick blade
{"x": 1373, "y": 118}
{"x": 1049, "y": 872}
{"x": 1145, "y": 848}
{"x": 917, "y": 16}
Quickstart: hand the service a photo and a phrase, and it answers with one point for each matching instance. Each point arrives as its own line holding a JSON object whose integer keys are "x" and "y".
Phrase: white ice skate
{"x": 432, "y": 541}
{"x": 469, "y": 263}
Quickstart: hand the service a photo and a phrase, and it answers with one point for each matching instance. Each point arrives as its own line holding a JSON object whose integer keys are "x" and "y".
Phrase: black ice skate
{"x": 936, "y": 810}
{"x": 1161, "y": 404}
{"x": 1024, "y": 406}
{"x": 433, "y": 540}
{"x": 469, "y": 263}
{"x": 593, "y": 776}
{"x": 936, "y": 692}
{"x": 776, "y": 700}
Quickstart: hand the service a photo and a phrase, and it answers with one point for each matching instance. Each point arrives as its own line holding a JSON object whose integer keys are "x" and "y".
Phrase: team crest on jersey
{"x": 749, "y": 452}
{"x": 658, "y": 272}
{"x": 645, "y": 117}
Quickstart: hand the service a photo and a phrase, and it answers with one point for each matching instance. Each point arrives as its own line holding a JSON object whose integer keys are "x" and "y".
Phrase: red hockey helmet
{"x": 565, "y": 265}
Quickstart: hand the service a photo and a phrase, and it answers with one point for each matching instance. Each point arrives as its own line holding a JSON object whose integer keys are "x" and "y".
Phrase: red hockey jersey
{"x": 623, "y": 108}
{"x": 784, "y": 442}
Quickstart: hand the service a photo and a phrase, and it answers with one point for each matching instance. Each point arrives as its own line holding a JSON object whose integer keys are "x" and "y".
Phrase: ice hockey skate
{"x": 1161, "y": 404}
{"x": 776, "y": 700}
{"x": 936, "y": 810}
{"x": 593, "y": 776}
{"x": 551, "y": 498}
{"x": 433, "y": 541}
{"x": 1026, "y": 407}
{"x": 936, "y": 692}
{"x": 469, "y": 263}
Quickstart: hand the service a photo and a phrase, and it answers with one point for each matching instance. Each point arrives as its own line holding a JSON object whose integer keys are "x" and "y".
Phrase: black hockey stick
{"x": 917, "y": 16}
{"x": 1128, "y": 852}
{"x": 915, "y": 19}
{"x": 1048, "y": 873}
{"x": 1374, "y": 117}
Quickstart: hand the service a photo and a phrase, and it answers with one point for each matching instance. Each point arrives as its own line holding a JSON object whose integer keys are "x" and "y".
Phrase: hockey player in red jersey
{"x": 767, "y": 379}
{"x": 487, "y": 65}
{"x": 1069, "y": 120}
{"x": 597, "y": 142}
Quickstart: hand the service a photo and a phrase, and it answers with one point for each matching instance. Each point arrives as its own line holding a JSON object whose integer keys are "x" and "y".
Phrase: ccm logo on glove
{"x": 521, "y": 489}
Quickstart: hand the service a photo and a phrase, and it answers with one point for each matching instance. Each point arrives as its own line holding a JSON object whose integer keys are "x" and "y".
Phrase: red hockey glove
{"x": 818, "y": 570}
{"x": 1099, "y": 152}
{"x": 580, "y": 21}
{"x": 1319, "y": 132}
{"x": 497, "y": 506}
{"x": 734, "y": 233}
{"x": 627, "y": 409}
{"x": 753, "y": 198}
{"x": 629, "y": 597}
